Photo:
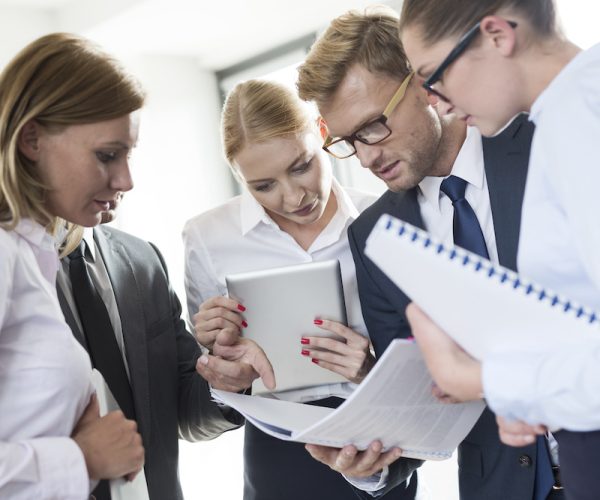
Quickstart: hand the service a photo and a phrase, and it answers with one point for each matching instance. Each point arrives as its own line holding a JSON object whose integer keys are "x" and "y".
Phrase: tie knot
{"x": 454, "y": 188}
{"x": 79, "y": 252}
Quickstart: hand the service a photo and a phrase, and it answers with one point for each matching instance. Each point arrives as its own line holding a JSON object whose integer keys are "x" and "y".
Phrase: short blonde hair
{"x": 369, "y": 38}
{"x": 58, "y": 80}
{"x": 258, "y": 110}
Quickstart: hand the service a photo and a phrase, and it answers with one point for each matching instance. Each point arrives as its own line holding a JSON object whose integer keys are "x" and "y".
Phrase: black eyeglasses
{"x": 461, "y": 46}
{"x": 371, "y": 133}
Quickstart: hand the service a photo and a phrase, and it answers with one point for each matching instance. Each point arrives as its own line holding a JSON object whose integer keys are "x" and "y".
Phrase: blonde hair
{"x": 58, "y": 80}
{"x": 258, "y": 110}
{"x": 441, "y": 19}
{"x": 369, "y": 38}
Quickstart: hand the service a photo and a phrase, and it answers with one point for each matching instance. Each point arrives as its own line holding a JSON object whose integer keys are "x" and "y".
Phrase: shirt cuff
{"x": 370, "y": 484}
{"x": 508, "y": 384}
{"x": 61, "y": 467}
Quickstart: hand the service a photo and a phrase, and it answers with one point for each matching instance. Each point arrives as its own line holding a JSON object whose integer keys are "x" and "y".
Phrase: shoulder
{"x": 362, "y": 226}
{"x": 140, "y": 250}
{"x": 218, "y": 218}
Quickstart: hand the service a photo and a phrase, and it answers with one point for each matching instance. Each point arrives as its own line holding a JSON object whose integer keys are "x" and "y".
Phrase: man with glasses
{"x": 441, "y": 177}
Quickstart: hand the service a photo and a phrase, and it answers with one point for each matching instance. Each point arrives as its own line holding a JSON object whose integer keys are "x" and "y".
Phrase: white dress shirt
{"x": 239, "y": 236}
{"x": 559, "y": 247}
{"x": 436, "y": 208}
{"x": 45, "y": 382}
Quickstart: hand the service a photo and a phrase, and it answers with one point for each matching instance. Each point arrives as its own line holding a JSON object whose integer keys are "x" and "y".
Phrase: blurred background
{"x": 188, "y": 54}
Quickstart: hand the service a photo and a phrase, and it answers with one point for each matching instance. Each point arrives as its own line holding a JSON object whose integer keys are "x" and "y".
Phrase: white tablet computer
{"x": 281, "y": 305}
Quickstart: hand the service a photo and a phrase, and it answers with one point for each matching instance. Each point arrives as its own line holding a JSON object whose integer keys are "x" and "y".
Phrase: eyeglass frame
{"x": 458, "y": 49}
{"x": 383, "y": 118}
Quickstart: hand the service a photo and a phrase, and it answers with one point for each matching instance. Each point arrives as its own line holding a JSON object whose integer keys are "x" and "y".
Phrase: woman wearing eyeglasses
{"x": 291, "y": 211}
{"x": 489, "y": 60}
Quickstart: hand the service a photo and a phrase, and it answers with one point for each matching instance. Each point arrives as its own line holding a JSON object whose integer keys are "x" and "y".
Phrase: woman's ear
{"x": 29, "y": 138}
{"x": 322, "y": 128}
{"x": 500, "y": 33}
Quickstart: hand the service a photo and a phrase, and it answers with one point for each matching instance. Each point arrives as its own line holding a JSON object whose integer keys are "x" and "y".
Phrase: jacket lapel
{"x": 506, "y": 160}
{"x": 128, "y": 297}
{"x": 406, "y": 207}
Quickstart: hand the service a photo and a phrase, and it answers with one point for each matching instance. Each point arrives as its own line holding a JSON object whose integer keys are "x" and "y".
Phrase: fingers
{"x": 263, "y": 367}
{"x": 341, "y": 330}
{"x": 228, "y": 336}
{"x": 214, "y": 315}
{"x": 518, "y": 433}
{"x": 350, "y": 462}
{"x": 223, "y": 302}
{"x": 226, "y": 375}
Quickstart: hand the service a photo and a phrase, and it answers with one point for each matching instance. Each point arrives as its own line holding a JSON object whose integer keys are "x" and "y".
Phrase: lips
{"x": 388, "y": 171}
{"x": 306, "y": 209}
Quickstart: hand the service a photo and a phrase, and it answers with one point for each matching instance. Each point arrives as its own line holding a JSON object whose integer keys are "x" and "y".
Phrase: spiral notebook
{"x": 484, "y": 307}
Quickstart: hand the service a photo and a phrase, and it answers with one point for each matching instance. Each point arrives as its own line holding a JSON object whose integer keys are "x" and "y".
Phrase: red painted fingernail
{"x": 318, "y": 321}
{"x": 305, "y": 352}
{"x": 244, "y": 324}
{"x": 315, "y": 361}
{"x": 304, "y": 341}
{"x": 241, "y": 307}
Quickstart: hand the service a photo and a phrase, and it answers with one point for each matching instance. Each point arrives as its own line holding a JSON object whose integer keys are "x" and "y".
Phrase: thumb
{"x": 263, "y": 367}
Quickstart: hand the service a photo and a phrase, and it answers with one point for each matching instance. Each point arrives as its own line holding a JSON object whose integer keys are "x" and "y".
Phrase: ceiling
{"x": 218, "y": 33}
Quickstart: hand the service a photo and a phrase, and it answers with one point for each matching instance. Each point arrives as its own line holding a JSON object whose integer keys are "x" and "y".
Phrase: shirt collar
{"x": 88, "y": 237}
{"x": 468, "y": 165}
{"x": 36, "y": 235}
{"x": 252, "y": 213}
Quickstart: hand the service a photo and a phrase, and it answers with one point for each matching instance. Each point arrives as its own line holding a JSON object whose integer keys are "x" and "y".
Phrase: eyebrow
{"x": 118, "y": 144}
{"x": 293, "y": 164}
{"x": 359, "y": 126}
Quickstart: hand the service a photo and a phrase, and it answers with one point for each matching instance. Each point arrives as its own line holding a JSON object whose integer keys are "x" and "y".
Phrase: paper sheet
{"x": 393, "y": 404}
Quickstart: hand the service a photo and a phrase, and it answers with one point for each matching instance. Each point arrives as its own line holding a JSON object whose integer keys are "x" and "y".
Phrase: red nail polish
{"x": 241, "y": 307}
{"x": 304, "y": 352}
{"x": 318, "y": 321}
{"x": 315, "y": 361}
{"x": 304, "y": 341}
{"x": 244, "y": 324}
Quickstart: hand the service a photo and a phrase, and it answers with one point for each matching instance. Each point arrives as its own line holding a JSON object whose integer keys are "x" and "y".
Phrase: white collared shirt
{"x": 436, "y": 208}
{"x": 239, "y": 236}
{"x": 45, "y": 381}
{"x": 559, "y": 385}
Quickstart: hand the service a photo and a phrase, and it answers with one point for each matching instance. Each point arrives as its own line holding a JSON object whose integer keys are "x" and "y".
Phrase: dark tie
{"x": 544, "y": 477}
{"x": 467, "y": 232}
{"x": 102, "y": 344}
{"x": 468, "y": 235}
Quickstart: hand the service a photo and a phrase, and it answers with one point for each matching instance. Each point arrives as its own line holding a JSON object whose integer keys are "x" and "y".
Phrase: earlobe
{"x": 28, "y": 142}
{"x": 323, "y": 131}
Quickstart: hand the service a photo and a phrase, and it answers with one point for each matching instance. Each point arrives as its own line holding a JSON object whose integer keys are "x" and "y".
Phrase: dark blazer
{"x": 487, "y": 469}
{"x": 171, "y": 399}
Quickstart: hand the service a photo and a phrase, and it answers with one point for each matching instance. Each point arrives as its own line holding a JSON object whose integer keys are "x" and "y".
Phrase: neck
{"x": 542, "y": 64}
{"x": 454, "y": 133}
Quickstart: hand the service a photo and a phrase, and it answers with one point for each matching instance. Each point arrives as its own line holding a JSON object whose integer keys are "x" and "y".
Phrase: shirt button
{"x": 525, "y": 461}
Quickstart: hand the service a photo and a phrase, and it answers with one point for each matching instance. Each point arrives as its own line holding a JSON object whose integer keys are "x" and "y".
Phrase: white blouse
{"x": 45, "y": 381}
{"x": 239, "y": 236}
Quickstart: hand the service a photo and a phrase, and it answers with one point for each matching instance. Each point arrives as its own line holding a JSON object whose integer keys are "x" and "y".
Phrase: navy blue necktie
{"x": 468, "y": 235}
{"x": 467, "y": 232}
{"x": 544, "y": 477}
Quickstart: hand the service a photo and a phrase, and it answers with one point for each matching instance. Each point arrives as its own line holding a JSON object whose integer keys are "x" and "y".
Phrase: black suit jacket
{"x": 487, "y": 469}
{"x": 171, "y": 399}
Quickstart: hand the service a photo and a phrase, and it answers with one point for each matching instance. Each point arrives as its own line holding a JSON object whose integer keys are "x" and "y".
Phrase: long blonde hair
{"x": 258, "y": 110}
{"x": 58, "y": 80}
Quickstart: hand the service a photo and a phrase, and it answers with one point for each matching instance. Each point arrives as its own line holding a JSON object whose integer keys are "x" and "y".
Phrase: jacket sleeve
{"x": 200, "y": 418}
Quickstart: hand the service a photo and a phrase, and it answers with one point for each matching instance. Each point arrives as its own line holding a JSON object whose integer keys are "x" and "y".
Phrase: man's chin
{"x": 108, "y": 216}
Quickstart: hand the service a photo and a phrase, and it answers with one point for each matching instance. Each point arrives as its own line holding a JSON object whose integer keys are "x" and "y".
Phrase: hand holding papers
{"x": 393, "y": 404}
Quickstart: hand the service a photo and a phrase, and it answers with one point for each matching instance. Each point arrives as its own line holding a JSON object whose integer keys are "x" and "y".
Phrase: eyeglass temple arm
{"x": 398, "y": 95}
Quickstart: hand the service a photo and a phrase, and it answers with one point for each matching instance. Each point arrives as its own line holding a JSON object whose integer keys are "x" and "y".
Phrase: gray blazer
{"x": 171, "y": 399}
{"x": 487, "y": 469}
